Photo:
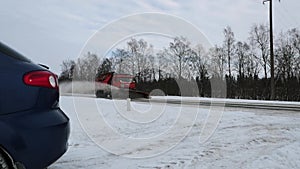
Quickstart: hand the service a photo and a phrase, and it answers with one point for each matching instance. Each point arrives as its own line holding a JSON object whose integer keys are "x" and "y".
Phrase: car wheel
{"x": 3, "y": 162}
{"x": 108, "y": 96}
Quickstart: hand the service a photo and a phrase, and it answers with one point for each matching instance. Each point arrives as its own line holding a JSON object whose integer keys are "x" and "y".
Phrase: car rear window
{"x": 12, "y": 53}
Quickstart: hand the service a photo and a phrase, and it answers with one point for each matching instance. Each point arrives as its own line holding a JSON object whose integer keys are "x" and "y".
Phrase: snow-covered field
{"x": 106, "y": 134}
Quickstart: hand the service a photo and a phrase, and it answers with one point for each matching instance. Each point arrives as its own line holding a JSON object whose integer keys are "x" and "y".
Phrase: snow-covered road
{"x": 244, "y": 138}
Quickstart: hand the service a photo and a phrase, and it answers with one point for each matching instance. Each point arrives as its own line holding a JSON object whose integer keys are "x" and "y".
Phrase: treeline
{"x": 242, "y": 88}
{"x": 244, "y": 65}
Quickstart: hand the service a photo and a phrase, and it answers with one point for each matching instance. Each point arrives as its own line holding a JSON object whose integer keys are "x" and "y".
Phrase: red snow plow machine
{"x": 112, "y": 85}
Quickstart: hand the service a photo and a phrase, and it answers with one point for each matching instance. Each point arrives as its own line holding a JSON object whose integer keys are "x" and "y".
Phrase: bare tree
{"x": 120, "y": 60}
{"x": 229, "y": 46}
{"x": 218, "y": 61}
{"x": 259, "y": 36}
{"x": 199, "y": 62}
{"x": 254, "y": 62}
{"x": 179, "y": 51}
{"x": 242, "y": 62}
{"x": 285, "y": 56}
{"x": 105, "y": 66}
{"x": 86, "y": 67}
{"x": 67, "y": 70}
{"x": 294, "y": 35}
{"x": 164, "y": 65}
{"x": 133, "y": 52}
{"x": 140, "y": 53}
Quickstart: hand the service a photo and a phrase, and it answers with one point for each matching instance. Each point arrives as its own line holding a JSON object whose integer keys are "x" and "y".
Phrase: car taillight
{"x": 41, "y": 79}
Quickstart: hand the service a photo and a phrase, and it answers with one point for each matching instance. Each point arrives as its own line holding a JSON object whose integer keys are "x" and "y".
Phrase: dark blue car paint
{"x": 34, "y": 130}
{"x": 35, "y": 138}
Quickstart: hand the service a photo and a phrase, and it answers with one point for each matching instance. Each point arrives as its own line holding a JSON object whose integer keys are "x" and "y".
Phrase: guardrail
{"x": 251, "y": 104}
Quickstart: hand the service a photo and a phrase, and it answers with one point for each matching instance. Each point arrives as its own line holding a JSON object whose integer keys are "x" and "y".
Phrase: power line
{"x": 291, "y": 17}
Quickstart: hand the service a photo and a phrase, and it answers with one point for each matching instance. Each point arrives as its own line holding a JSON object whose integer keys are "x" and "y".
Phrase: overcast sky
{"x": 51, "y": 31}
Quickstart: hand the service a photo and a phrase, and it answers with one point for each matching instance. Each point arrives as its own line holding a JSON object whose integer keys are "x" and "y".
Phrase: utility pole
{"x": 271, "y": 47}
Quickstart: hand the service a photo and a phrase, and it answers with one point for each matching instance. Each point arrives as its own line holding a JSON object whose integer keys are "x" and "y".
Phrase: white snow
{"x": 159, "y": 136}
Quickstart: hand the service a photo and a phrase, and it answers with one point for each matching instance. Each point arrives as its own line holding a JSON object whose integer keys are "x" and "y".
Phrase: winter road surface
{"x": 243, "y": 138}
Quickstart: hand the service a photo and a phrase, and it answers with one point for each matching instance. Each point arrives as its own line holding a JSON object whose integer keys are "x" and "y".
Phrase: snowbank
{"x": 245, "y": 138}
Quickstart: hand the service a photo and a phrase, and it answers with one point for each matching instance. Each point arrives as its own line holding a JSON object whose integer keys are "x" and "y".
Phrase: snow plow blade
{"x": 134, "y": 94}
{"x": 112, "y": 85}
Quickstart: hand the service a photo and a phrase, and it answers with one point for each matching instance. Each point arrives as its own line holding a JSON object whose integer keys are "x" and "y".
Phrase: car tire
{"x": 3, "y": 162}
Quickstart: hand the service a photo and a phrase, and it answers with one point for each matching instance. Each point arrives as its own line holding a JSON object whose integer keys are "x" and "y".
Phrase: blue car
{"x": 34, "y": 131}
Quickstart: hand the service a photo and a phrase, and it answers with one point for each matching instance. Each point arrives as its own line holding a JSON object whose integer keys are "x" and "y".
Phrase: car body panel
{"x": 34, "y": 130}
